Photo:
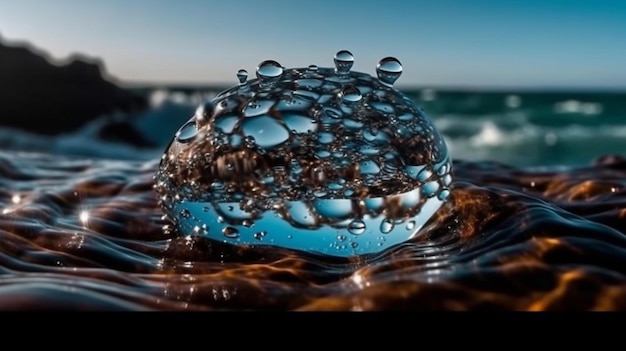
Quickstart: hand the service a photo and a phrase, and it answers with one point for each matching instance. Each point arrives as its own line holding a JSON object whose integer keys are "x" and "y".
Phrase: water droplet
{"x": 430, "y": 188}
{"x": 410, "y": 225}
{"x": 424, "y": 174}
{"x": 350, "y": 95}
{"x": 442, "y": 169}
{"x": 369, "y": 167}
{"x": 301, "y": 215}
{"x": 382, "y": 107}
{"x": 226, "y": 123}
{"x": 299, "y": 123}
{"x": 443, "y": 194}
{"x": 312, "y": 68}
{"x": 406, "y": 117}
{"x": 356, "y": 227}
{"x": 187, "y": 132}
{"x": 260, "y": 235}
{"x": 268, "y": 72}
{"x": 242, "y": 76}
{"x": 309, "y": 156}
{"x": 265, "y": 130}
{"x": 256, "y": 108}
{"x": 388, "y": 70}
{"x": 217, "y": 187}
{"x": 322, "y": 153}
{"x": 332, "y": 113}
{"x": 343, "y": 62}
{"x": 230, "y": 232}
{"x": 386, "y": 226}
{"x": 249, "y": 141}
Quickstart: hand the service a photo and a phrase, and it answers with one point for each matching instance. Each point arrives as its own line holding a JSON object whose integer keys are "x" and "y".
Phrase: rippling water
{"x": 87, "y": 234}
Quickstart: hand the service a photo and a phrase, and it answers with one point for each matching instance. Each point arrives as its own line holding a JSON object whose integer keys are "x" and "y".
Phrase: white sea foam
{"x": 580, "y": 107}
{"x": 518, "y": 135}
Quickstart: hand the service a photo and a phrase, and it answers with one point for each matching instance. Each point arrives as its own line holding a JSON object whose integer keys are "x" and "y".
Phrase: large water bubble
{"x": 317, "y": 159}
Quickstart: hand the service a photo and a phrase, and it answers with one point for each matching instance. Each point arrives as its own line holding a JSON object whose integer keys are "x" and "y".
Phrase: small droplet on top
{"x": 268, "y": 72}
{"x": 388, "y": 70}
{"x": 350, "y": 95}
{"x": 312, "y": 68}
{"x": 242, "y": 75}
{"x": 343, "y": 62}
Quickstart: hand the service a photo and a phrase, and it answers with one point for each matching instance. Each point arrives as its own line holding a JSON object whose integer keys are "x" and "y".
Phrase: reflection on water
{"x": 89, "y": 235}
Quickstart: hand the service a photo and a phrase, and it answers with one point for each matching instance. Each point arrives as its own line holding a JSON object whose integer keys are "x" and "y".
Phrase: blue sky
{"x": 509, "y": 43}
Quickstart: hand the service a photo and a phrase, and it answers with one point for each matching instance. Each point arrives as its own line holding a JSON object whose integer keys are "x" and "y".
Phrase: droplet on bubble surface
{"x": 343, "y": 62}
{"x": 356, "y": 227}
{"x": 350, "y": 95}
{"x": 187, "y": 132}
{"x": 268, "y": 72}
{"x": 319, "y": 159}
{"x": 242, "y": 76}
{"x": 230, "y": 232}
{"x": 443, "y": 194}
{"x": 266, "y": 131}
{"x": 386, "y": 226}
{"x": 388, "y": 70}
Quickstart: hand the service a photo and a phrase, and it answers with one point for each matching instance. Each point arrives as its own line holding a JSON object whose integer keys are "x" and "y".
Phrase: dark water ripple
{"x": 509, "y": 239}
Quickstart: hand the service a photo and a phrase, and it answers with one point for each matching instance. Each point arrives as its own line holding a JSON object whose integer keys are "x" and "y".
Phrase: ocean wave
{"x": 523, "y": 129}
{"x": 508, "y": 239}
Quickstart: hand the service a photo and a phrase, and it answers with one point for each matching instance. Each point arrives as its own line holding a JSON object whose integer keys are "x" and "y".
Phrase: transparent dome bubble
{"x": 301, "y": 159}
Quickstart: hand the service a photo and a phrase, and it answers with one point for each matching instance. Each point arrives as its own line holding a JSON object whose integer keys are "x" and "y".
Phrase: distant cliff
{"x": 44, "y": 98}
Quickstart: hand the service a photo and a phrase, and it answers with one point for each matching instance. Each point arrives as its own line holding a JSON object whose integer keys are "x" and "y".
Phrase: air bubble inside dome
{"x": 306, "y": 160}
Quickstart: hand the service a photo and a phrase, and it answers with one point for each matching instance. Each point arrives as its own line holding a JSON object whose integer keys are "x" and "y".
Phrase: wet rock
{"x": 41, "y": 97}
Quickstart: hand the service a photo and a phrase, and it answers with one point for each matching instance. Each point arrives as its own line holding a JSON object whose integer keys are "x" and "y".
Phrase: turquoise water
{"x": 521, "y": 128}
{"x": 529, "y": 128}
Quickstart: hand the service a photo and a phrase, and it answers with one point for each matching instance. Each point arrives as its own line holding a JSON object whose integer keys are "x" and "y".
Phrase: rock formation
{"x": 39, "y": 96}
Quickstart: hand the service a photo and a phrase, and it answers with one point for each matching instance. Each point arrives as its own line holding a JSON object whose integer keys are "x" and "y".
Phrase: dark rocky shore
{"x": 41, "y": 97}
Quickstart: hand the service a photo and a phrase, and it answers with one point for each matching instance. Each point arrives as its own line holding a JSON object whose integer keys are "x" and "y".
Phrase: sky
{"x": 476, "y": 43}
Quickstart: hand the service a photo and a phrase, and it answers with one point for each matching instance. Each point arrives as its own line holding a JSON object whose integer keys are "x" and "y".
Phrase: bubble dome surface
{"x": 319, "y": 159}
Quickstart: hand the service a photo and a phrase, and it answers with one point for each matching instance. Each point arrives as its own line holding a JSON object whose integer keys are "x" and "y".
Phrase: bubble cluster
{"x": 318, "y": 159}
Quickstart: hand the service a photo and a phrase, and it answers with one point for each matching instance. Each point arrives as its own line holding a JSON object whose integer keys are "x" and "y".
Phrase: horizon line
{"x": 410, "y": 87}
{"x": 106, "y": 74}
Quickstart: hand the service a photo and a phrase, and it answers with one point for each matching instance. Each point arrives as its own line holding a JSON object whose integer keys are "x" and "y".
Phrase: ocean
{"x": 535, "y": 219}
{"x": 524, "y": 129}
